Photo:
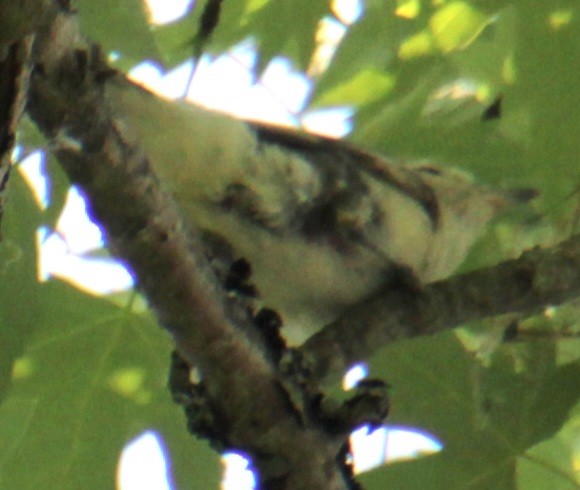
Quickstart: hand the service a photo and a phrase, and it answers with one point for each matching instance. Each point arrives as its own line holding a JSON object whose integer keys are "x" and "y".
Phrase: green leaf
{"x": 486, "y": 417}
{"x": 19, "y": 288}
{"x": 370, "y": 44}
{"x": 456, "y": 25}
{"x": 288, "y": 28}
{"x": 365, "y": 87}
{"x": 15, "y": 420}
{"x": 277, "y": 27}
{"x": 551, "y": 464}
{"x": 97, "y": 375}
{"x": 119, "y": 26}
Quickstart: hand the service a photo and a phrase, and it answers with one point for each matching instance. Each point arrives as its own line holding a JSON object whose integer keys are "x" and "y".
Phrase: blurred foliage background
{"x": 82, "y": 375}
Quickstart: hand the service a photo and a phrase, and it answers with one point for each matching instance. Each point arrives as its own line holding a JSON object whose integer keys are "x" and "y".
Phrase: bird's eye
{"x": 428, "y": 169}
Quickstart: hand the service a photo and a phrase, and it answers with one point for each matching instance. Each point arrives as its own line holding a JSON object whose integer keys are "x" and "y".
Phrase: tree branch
{"x": 538, "y": 279}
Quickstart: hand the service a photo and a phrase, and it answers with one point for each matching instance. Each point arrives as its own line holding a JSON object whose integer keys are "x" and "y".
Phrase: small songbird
{"x": 321, "y": 222}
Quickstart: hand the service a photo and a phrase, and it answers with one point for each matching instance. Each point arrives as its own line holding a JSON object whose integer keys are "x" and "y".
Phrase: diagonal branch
{"x": 538, "y": 279}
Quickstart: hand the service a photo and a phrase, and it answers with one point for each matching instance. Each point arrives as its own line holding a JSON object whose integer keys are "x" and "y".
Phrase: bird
{"x": 322, "y": 222}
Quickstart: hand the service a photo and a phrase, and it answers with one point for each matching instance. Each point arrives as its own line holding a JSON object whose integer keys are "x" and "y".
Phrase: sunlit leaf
{"x": 417, "y": 45}
{"x": 455, "y": 25}
{"x": 366, "y": 86}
